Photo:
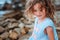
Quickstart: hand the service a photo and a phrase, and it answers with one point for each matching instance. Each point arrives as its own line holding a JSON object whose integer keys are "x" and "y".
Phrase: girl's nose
{"x": 39, "y": 12}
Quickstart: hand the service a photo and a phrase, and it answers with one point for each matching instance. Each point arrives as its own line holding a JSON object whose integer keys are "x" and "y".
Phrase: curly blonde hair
{"x": 47, "y": 4}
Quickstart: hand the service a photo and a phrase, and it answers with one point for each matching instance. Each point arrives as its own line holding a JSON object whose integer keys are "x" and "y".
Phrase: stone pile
{"x": 12, "y": 29}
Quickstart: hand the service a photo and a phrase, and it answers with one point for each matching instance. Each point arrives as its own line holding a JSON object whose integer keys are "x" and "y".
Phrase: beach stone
{"x": 1, "y": 29}
{"x": 30, "y": 26}
{"x": 10, "y": 20}
{"x": 4, "y": 24}
{"x": 13, "y": 34}
{"x": 1, "y": 39}
{"x": 12, "y": 25}
{"x": 4, "y": 35}
{"x": 24, "y": 30}
{"x": 17, "y": 30}
{"x": 21, "y": 25}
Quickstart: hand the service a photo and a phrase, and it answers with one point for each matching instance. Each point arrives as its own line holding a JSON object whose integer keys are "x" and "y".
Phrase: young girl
{"x": 44, "y": 28}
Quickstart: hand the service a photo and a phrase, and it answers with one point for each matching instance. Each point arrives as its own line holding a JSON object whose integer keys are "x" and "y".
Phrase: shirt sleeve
{"x": 47, "y": 24}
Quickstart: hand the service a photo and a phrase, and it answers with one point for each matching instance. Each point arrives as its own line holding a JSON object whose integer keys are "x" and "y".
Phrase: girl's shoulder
{"x": 48, "y": 21}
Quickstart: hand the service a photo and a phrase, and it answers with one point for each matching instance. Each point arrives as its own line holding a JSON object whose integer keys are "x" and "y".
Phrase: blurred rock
{"x": 1, "y": 39}
{"x": 15, "y": 25}
{"x": 4, "y": 24}
{"x": 24, "y": 30}
{"x": 58, "y": 24}
{"x": 10, "y": 20}
{"x": 13, "y": 35}
{"x": 26, "y": 21}
{"x": 12, "y": 25}
{"x": 16, "y": 14}
{"x": 1, "y": 29}
{"x": 21, "y": 25}
{"x": 4, "y": 35}
{"x": 17, "y": 30}
{"x": 30, "y": 26}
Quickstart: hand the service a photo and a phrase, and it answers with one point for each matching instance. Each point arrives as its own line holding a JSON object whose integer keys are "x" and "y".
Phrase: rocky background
{"x": 15, "y": 25}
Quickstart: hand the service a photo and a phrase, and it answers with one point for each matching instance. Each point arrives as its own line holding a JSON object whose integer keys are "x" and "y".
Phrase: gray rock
{"x": 21, "y": 25}
{"x": 17, "y": 30}
{"x": 4, "y": 24}
{"x": 30, "y": 26}
{"x": 1, "y": 39}
{"x": 25, "y": 30}
{"x": 1, "y": 29}
{"x": 12, "y": 25}
{"x": 13, "y": 34}
{"x": 4, "y": 35}
{"x": 10, "y": 20}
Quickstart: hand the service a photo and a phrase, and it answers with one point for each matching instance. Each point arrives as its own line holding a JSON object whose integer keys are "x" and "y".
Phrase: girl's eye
{"x": 35, "y": 10}
{"x": 40, "y": 9}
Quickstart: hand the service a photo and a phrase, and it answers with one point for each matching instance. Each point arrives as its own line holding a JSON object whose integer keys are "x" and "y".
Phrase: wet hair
{"x": 47, "y": 4}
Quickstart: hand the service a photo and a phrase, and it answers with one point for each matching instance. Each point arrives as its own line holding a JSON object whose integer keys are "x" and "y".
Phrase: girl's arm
{"x": 50, "y": 33}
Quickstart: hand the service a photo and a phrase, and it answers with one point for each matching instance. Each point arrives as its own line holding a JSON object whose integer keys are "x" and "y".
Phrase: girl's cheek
{"x": 43, "y": 11}
{"x": 34, "y": 13}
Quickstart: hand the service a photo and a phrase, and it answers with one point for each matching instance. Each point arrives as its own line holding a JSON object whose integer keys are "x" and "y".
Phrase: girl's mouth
{"x": 39, "y": 15}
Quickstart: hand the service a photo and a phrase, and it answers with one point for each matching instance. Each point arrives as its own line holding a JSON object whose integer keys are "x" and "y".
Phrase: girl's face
{"x": 38, "y": 11}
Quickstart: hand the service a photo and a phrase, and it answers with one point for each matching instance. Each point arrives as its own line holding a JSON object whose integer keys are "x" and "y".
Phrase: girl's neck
{"x": 41, "y": 19}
